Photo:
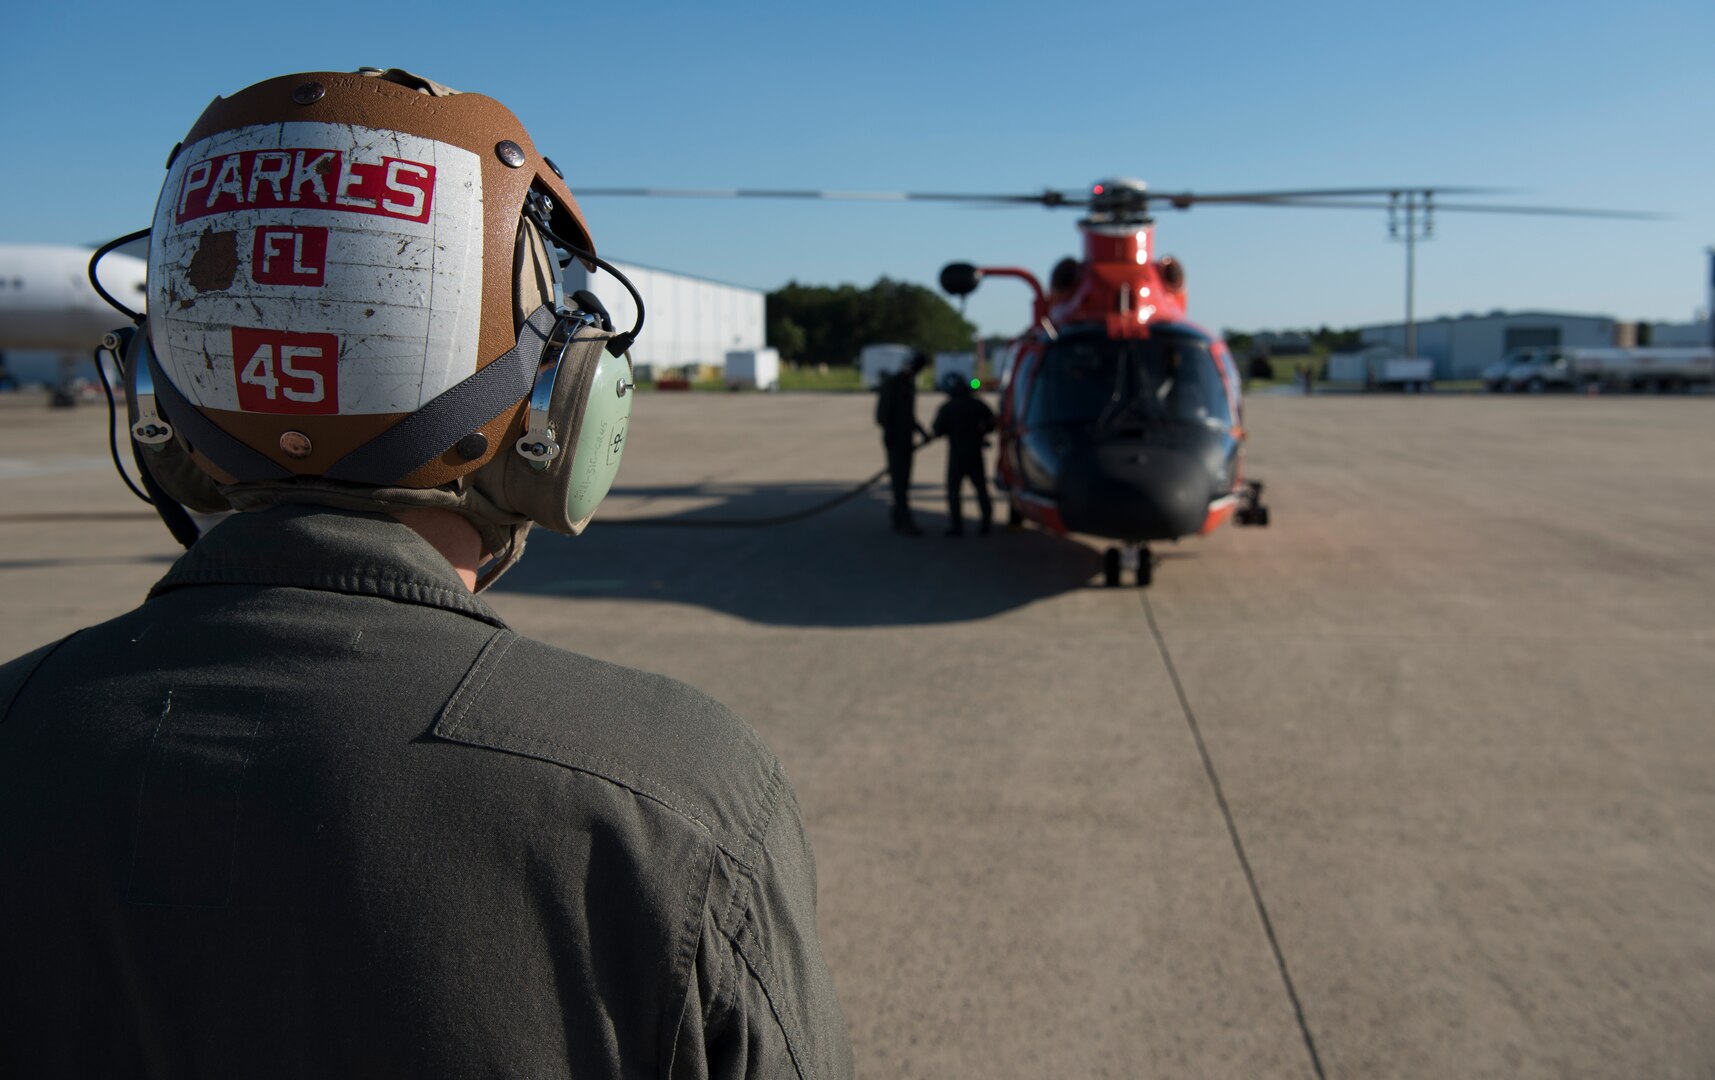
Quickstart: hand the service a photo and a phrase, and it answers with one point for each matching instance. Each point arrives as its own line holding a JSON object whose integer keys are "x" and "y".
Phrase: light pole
{"x": 1709, "y": 305}
{"x": 1411, "y": 217}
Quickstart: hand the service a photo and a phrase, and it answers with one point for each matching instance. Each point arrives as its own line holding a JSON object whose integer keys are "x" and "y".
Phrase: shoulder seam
{"x": 764, "y": 977}
{"x": 453, "y": 724}
{"x": 751, "y": 859}
{"x": 487, "y": 662}
{"x": 530, "y": 746}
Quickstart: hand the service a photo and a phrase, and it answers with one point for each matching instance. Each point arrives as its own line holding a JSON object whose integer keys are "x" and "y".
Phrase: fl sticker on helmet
{"x": 312, "y": 268}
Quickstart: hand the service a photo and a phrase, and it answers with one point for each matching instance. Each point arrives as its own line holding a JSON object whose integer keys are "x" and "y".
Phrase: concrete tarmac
{"x": 1417, "y": 782}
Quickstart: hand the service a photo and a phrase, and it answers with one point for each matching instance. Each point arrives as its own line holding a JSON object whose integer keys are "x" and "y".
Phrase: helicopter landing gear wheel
{"x": 1251, "y": 509}
{"x": 1135, "y": 559}
{"x": 1111, "y": 568}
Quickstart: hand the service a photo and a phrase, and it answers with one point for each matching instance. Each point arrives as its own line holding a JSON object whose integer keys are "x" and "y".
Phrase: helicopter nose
{"x": 1135, "y": 492}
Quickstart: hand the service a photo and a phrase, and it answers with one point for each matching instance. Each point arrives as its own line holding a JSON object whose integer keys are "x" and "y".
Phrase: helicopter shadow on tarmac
{"x": 841, "y": 568}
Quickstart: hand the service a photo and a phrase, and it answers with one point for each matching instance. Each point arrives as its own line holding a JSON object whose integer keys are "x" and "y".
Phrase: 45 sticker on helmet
{"x": 280, "y": 371}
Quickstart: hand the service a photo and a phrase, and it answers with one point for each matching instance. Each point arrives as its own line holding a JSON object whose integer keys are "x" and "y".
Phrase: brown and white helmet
{"x": 335, "y": 262}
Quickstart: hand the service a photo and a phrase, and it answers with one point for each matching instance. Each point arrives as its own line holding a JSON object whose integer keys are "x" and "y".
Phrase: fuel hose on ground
{"x": 676, "y": 522}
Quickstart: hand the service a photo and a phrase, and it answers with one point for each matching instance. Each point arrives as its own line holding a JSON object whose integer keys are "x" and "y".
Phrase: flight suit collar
{"x": 319, "y": 547}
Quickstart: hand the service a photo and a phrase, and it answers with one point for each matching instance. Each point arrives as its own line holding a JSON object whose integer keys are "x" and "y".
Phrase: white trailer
{"x": 1381, "y": 367}
{"x": 1349, "y": 366}
{"x": 1407, "y": 372}
{"x": 954, "y": 367}
{"x": 877, "y": 362}
{"x": 753, "y": 369}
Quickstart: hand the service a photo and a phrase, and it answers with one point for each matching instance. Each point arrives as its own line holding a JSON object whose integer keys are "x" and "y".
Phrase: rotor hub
{"x": 1119, "y": 201}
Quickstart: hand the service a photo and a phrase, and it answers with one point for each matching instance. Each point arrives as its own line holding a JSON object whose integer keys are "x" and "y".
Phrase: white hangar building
{"x": 1462, "y": 347}
{"x": 688, "y": 320}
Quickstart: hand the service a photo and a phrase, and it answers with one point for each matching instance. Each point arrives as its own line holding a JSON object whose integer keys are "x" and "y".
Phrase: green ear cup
{"x": 563, "y": 465}
{"x": 600, "y": 439}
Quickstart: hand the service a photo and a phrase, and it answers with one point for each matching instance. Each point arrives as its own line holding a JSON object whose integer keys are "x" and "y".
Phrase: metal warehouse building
{"x": 691, "y": 320}
{"x": 1462, "y": 347}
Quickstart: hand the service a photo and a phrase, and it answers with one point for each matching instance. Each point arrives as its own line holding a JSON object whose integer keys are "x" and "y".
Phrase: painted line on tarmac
{"x": 19, "y": 468}
{"x": 51, "y": 563}
{"x": 1238, "y": 844}
{"x": 50, "y": 517}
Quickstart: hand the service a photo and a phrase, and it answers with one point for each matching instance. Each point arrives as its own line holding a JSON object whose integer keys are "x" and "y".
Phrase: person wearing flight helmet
{"x": 313, "y": 809}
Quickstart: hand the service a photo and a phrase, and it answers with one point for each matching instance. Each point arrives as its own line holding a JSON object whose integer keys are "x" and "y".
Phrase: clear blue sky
{"x": 1575, "y": 104}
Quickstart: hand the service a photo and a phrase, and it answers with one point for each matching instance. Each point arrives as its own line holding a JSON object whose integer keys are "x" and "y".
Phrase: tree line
{"x": 1322, "y": 340}
{"x": 829, "y": 324}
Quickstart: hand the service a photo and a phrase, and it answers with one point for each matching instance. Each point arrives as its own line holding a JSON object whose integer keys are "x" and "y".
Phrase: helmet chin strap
{"x": 503, "y": 561}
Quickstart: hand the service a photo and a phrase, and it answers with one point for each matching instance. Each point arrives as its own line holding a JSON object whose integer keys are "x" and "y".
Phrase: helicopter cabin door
{"x": 1014, "y": 408}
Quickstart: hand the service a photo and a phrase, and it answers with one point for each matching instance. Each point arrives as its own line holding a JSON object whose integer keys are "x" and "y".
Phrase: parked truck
{"x": 1665, "y": 368}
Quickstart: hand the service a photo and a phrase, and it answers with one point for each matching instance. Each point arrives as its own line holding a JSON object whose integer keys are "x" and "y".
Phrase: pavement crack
{"x": 1233, "y": 835}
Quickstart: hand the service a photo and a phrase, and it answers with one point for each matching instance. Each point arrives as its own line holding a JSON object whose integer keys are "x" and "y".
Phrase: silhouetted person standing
{"x": 965, "y": 419}
{"x": 896, "y": 412}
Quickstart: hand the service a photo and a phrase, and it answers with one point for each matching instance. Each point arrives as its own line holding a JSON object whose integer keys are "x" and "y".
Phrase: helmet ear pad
{"x": 585, "y": 421}
{"x": 170, "y": 462}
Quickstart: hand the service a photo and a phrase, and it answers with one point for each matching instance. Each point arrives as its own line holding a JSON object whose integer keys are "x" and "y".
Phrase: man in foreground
{"x": 313, "y": 809}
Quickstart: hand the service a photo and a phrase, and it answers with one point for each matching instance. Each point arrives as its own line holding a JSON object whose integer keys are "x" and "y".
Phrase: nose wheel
{"x": 1133, "y": 559}
{"x": 1251, "y": 509}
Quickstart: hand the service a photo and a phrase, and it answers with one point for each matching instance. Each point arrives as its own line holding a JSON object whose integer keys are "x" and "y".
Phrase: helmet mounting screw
{"x": 510, "y": 153}
{"x": 295, "y": 445}
{"x": 309, "y": 93}
{"x": 472, "y": 446}
{"x": 550, "y": 163}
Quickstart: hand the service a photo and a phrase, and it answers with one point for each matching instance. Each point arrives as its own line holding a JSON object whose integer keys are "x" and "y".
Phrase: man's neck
{"x": 455, "y": 538}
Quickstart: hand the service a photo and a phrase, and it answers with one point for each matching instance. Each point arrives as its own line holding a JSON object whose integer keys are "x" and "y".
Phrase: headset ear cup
{"x": 169, "y": 463}
{"x": 591, "y": 412}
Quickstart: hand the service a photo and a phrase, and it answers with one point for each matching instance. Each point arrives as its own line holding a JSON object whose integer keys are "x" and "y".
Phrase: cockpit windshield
{"x": 1169, "y": 376}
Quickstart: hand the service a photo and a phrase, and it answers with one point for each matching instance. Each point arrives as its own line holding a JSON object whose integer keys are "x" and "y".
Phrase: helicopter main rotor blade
{"x": 1437, "y": 207}
{"x": 1366, "y": 198}
{"x": 1044, "y": 198}
{"x": 1179, "y": 198}
{"x": 1556, "y": 211}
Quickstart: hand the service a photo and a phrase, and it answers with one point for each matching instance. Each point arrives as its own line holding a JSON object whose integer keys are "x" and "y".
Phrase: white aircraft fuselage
{"x": 46, "y": 301}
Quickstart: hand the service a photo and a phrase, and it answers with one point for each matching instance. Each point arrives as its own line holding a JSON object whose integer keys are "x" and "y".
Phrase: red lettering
{"x": 312, "y": 173}
{"x": 280, "y": 371}
{"x": 271, "y": 167}
{"x": 288, "y": 255}
{"x": 196, "y": 179}
{"x": 411, "y": 180}
{"x": 306, "y": 179}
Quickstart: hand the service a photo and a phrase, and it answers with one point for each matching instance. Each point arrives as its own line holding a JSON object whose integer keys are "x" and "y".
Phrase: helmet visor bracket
{"x": 539, "y": 444}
